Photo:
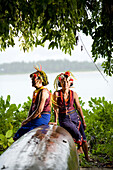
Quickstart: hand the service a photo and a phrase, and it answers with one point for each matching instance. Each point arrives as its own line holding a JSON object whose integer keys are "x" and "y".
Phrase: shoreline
{"x": 50, "y": 72}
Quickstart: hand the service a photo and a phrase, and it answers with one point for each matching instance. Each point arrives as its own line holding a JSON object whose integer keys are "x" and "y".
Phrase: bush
{"x": 11, "y": 117}
{"x": 99, "y": 132}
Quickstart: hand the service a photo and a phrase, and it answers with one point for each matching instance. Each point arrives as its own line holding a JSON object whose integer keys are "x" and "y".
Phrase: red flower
{"x": 59, "y": 78}
{"x": 67, "y": 73}
{"x": 34, "y": 76}
{"x": 71, "y": 79}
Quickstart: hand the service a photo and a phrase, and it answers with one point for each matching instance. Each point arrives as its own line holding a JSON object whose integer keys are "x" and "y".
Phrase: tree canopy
{"x": 59, "y": 21}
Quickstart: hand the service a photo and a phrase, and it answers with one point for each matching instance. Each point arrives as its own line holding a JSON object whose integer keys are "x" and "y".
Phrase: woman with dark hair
{"x": 64, "y": 109}
{"x": 39, "y": 113}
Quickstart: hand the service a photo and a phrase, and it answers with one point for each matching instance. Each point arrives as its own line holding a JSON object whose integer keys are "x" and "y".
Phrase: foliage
{"x": 99, "y": 132}
{"x": 7, "y": 114}
{"x": 10, "y": 120}
{"x": 6, "y": 140}
{"x": 59, "y": 22}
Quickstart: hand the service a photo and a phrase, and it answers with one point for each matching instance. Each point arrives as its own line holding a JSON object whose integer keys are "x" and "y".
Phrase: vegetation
{"x": 10, "y": 120}
{"x": 48, "y": 66}
{"x": 59, "y": 22}
{"x": 99, "y": 132}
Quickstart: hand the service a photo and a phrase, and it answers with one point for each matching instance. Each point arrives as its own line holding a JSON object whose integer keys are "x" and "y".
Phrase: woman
{"x": 39, "y": 113}
{"x": 64, "y": 108}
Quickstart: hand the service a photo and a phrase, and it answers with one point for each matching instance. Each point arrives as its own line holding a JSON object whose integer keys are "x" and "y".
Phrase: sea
{"x": 86, "y": 85}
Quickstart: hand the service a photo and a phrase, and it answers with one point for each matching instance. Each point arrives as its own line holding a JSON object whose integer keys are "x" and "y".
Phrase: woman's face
{"x": 36, "y": 81}
{"x": 65, "y": 83}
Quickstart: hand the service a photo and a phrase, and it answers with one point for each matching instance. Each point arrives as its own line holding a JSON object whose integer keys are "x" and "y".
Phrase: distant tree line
{"x": 49, "y": 66}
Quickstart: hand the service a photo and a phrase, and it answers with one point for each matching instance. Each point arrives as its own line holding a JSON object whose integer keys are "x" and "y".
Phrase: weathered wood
{"x": 47, "y": 147}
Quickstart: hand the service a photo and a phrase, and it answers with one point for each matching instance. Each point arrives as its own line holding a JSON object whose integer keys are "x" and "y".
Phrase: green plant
{"x": 11, "y": 117}
{"x": 6, "y": 140}
{"x": 99, "y": 120}
{"x": 7, "y": 114}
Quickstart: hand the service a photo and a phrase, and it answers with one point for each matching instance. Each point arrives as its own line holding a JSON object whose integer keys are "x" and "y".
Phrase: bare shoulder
{"x": 45, "y": 92}
{"x": 75, "y": 95}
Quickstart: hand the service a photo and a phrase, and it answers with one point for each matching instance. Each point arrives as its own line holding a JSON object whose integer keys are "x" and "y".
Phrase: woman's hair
{"x": 42, "y": 75}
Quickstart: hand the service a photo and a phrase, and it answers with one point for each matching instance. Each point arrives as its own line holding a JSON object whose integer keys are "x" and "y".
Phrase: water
{"x": 87, "y": 85}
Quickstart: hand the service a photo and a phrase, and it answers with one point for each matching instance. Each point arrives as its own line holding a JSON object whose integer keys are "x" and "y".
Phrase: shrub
{"x": 99, "y": 120}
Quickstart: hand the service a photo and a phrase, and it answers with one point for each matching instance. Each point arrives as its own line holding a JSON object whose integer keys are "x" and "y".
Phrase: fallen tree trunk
{"x": 47, "y": 147}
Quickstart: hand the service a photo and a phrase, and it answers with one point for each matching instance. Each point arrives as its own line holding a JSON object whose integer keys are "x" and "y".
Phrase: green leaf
{"x": 52, "y": 45}
{"x": 9, "y": 133}
{"x": 19, "y": 106}
{"x": 10, "y": 140}
{"x": 8, "y": 98}
{"x": 2, "y": 137}
{"x": 4, "y": 146}
{"x": 1, "y": 142}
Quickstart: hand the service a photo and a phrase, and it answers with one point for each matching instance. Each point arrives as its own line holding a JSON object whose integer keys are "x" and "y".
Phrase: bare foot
{"x": 88, "y": 159}
{"x": 80, "y": 150}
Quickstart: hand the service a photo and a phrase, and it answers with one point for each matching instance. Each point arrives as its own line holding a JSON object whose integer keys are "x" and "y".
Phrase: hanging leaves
{"x": 58, "y": 22}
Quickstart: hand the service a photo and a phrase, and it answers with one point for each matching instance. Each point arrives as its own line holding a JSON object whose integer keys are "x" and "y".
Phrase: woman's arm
{"x": 30, "y": 111}
{"x": 79, "y": 109}
{"x": 40, "y": 105}
{"x": 56, "y": 110}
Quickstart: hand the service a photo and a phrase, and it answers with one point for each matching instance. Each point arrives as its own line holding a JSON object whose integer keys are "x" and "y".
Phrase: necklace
{"x": 37, "y": 92}
{"x": 66, "y": 102}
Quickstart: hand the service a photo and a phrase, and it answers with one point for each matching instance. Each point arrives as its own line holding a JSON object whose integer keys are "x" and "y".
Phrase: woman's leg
{"x": 44, "y": 120}
{"x": 84, "y": 142}
{"x": 72, "y": 129}
{"x": 85, "y": 149}
{"x": 21, "y": 131}
{"x": 76, "y": 136}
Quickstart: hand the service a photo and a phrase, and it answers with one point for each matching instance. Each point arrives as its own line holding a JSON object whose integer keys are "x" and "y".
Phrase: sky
{"x": 14, "y": 54}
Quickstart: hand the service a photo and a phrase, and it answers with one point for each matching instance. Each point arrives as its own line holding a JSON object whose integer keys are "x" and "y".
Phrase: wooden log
{"x": 47, "y": 147}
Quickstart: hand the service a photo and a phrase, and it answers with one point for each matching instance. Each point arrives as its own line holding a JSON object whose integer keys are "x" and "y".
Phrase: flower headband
{"x": 61, "y": 76}
{"x": 66, "y": 74}
{"x": 39, "y": 74}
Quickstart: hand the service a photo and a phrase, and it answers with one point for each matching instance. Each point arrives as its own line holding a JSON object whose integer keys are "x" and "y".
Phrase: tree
{"x": 59, "y": 21}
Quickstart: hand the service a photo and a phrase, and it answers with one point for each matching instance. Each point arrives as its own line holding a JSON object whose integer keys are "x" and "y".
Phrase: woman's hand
{"x": 52, "y": 123}
{"x": 84, "y": 125}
